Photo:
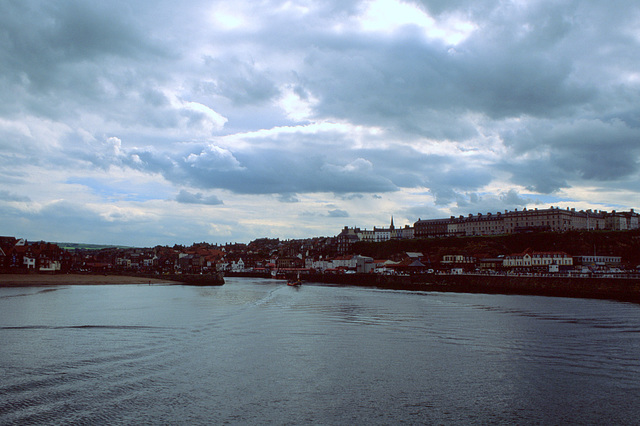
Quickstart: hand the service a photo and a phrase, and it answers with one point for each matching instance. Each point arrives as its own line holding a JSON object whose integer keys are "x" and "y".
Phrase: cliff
{"x": 625, "y": 244}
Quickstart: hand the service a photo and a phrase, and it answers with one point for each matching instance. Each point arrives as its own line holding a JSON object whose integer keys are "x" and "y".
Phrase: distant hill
{"x": 83, "y": 246}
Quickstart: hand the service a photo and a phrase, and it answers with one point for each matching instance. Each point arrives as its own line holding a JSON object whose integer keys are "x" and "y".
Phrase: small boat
{"x": 295, "y": 282}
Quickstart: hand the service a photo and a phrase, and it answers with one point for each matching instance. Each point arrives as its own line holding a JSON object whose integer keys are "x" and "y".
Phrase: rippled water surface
{"x": 258, "y": 352}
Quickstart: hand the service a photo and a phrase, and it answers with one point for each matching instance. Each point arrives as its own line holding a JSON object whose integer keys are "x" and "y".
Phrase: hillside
{"x": 625, "y": 244}
{"x": 84, "y": 246}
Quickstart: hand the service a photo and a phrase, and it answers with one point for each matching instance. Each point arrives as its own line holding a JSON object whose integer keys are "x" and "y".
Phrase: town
{"x": 549, "y": 241}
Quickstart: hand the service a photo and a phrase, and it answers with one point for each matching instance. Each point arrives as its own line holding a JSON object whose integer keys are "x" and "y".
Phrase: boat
{"x": 296, "y": 282}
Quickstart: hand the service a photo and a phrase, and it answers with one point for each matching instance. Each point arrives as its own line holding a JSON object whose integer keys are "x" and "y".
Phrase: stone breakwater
{"x": 621, "y": 289}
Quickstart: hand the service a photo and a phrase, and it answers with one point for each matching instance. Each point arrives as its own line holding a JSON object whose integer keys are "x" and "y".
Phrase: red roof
{"x": 539, "y": 253}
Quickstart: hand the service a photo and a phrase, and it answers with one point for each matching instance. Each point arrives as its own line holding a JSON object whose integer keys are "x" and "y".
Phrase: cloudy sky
{"x": 158, "y": 122}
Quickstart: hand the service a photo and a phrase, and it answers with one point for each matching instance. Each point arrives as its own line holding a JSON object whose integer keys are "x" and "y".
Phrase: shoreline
{"x": 622, "y": 290}
{"x": 39, "y": 280}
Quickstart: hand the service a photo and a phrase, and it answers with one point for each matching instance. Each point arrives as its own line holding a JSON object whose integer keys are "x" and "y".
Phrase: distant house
{"x": 29, "y": 262}
{"x": 597, "y": 261}
{"x": 7, "y": 257}
{"x": 491, "y": 264}
{"x": 237, "y": 266}
{"x": 385, "y": 266}
{"x": 364, "y": 264}
{"x": 537, "y": 260}
{"x": 457, "y": 259}
{"x": 347, "y": 262}
{"x": 48, "y": 265}
{"x": 191, "y": 263}
{"x": 222, "y": 265}
{"x": 289, "y": 262}
{"x": 410, "y": 264}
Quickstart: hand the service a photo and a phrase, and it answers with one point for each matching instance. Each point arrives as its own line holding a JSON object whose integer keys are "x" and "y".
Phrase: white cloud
{"x": 390, "y": 15}
{"x": 297, "y": 107}
{"x": 208, "y": 118}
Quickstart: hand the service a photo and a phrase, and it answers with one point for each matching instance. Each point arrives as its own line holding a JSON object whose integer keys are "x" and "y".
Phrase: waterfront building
{"x": 594, "y": 260}
{"x": 405, "y": 233}
{"x": 457, "y": 261}
{"x": 553, "y": 219}
{"x": 349, "y": 236}
{"x": 538, "y": 260}
{"x": 366, "y": 235}
{"x": 621, "y": 221}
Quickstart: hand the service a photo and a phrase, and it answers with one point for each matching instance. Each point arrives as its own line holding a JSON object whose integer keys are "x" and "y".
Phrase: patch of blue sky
{"x": 122, "y": 190}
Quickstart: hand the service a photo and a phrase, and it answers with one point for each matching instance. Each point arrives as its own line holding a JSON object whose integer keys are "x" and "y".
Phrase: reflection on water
{"x": 259, "y": 351}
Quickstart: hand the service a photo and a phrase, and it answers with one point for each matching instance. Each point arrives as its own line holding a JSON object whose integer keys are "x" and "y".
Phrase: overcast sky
{"x": 159, "y": 122}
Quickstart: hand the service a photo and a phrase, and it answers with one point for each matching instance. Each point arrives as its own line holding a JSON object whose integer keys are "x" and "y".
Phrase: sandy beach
{"x": 26, "y": 280}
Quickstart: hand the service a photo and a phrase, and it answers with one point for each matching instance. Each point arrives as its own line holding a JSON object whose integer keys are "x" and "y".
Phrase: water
{"x": 260, "y": 352}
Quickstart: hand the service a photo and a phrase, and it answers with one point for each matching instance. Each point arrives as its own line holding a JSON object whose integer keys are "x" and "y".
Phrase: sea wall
{"x": 621, "y": 289}
{"x": 191, "y": 279}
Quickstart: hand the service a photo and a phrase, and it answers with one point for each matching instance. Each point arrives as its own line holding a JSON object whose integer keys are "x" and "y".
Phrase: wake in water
{"x": 47, "y": 290}
{"x": 89, "y": 327}
{"x": 255, "y": 351}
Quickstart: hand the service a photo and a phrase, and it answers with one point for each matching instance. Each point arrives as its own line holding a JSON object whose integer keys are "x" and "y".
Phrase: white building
{"x": 537, "y": 259}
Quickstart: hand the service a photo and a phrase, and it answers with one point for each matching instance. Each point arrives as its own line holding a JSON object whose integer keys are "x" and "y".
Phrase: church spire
{"x": 392, "y": 227}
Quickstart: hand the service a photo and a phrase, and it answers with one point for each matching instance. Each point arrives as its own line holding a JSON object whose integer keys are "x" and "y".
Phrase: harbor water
{"x": 257, "y": 351}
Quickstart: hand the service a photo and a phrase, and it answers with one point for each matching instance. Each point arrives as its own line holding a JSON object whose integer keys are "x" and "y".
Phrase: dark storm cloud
{"x": 472, "y": 203}
{"x": 412, "y": 85}
{"x": 351, "y": 196}
{"x": 532, "y": 61}
{"x": 338, "y": 213}
{"x": 298, "y": 163}
{"x": 287, "y": 198}
{"x": 240, "y": 81}
{"x": 10, "y": 196}
{"x": 591, "y": 150}
{"x": 272, "y": 171}
{"x": 187, "y": 197}
{"x": 512, "y": 198}
{"x": 54, "y": 52}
